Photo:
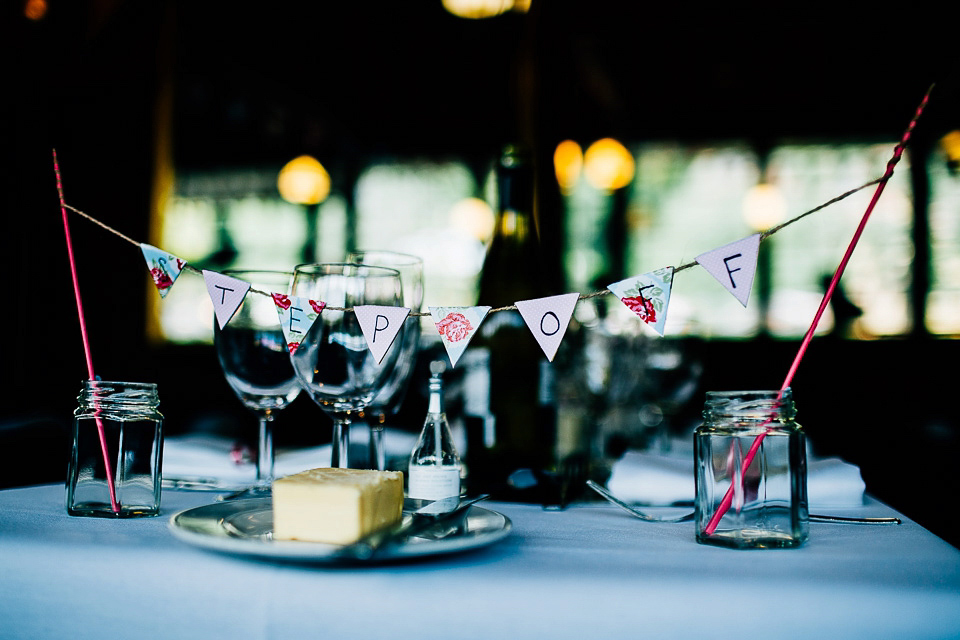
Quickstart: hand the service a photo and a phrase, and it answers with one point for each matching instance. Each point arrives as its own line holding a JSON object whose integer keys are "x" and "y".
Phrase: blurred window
{"x": 238, "y": 220}
{"x": 686, "y": 200}
{"x": 683, "y": 201}
{"x": 943, "y": 299}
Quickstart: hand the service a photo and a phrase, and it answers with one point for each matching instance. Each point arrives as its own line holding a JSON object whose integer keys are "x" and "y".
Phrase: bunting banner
{"x": 296, "y": 315}
{"x": 226, "y": 293}
{"x": 734, "y": 266}
{"x": 164, "y": 267}
{"x": 457, "y": 326}
{"x": 380, "y": 326}
{"x": 647, "y": 295}
{"x": 548, "y": 319}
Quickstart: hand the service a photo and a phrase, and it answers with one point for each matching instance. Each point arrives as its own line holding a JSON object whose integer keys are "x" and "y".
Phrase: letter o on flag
{"x": 553, "y": 326}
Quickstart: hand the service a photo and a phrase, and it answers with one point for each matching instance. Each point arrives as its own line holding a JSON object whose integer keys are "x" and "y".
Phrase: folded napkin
{"x": 660, "y": 479}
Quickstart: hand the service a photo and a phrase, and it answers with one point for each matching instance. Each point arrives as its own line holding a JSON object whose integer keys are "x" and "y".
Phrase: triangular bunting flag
{"x": 734, "y": 265}
{"x": 648, "y": 296}
{"x": 297, "y": 315}
{"x": 548, "y": 318}
{"x": 226, "y": 293}
{"x": 456, "y": 326}
{"x": 380, "y": 326}
{"x": 164, "y": 267}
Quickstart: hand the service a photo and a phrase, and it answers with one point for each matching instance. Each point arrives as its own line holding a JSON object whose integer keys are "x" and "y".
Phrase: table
{"x": 589, "y": 571}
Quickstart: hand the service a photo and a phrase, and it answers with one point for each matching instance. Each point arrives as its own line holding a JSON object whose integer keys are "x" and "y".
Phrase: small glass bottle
{"x": 751, "y": 471}
{"x": 118, "y": 436}
{"x": 434, "y": 470}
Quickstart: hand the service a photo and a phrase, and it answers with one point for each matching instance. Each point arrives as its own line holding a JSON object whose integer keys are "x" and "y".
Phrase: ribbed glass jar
{"x": 115, "y": 460}
{"x": 751, "y": 471}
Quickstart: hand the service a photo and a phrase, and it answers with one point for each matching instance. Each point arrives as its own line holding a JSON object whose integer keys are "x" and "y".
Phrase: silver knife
{"x": 426, "y": 517}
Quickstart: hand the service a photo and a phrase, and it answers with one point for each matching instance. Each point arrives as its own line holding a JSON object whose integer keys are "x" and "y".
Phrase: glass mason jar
{"x": 751, "y": 471}
{"x": 115, "y": 458}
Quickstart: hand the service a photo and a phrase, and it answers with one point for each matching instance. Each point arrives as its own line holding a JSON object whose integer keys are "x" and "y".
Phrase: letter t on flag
{"x": 734, "y": 266}
{"x": 226, "y": 294}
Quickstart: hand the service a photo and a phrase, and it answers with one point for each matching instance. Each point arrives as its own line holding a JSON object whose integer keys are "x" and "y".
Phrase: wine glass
{"x": 333, "y": 363}
{"x": 253, "y": 355}
{"x": 390, "y": 397}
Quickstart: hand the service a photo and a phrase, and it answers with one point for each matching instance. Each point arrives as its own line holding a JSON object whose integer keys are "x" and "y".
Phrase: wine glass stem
{"x": 377, "y": 449}
{"x": 341, "y": 444}
{"x": 265, "y": 450}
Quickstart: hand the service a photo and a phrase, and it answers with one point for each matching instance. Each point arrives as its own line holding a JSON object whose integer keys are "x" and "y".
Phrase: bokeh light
{"x": 764, "y": 206}
{"x": 567, "y": 164}
{"x": 608, "y": 165}
{"x": 303, "y": 180}
{"x": 474, "y": 217}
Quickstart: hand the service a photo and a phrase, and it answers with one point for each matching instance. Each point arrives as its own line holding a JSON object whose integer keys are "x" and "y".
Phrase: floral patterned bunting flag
{"x": 226, "y": 294}
{"x": 548, "y": 319}
{"x": 296, "y": 315}
{"x": 647, "y": 295}
{"x": 164, "y": 267}
{"x": 734, "y": 265}
{"x": 457, "y": 326}
{"x": 380, "y": 326}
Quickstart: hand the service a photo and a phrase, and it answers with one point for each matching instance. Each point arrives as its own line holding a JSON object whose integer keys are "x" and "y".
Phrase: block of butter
{"x": 337, "y": 506}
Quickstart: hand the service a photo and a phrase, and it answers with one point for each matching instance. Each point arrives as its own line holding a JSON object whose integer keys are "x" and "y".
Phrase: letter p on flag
{"x": 380, "y": 326}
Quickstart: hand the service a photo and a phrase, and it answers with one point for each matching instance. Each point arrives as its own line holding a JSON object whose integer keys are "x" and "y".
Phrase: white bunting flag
{"x": 548, "y": 318}
{"x": 647, "y": 295}
{"x": 226, "y": 293}
{"x": 734, "y": 266}
{"x": 164, "y": 267}
{"x": 296, "y": 315}
{"x": 456, "y": 326}
{"x": 380, "y": 326}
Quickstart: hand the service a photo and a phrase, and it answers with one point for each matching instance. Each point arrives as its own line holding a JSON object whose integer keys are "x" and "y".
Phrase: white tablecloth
{"x": 589, "y": 571}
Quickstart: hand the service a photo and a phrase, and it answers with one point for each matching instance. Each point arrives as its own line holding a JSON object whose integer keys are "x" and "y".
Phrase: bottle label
{"x": 433, "y": 482}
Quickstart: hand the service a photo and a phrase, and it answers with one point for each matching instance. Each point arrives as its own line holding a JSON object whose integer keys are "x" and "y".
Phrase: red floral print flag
{"x": 164, "y": 267}
{"x": 457, "y": 326}
{"x": 647, "y": 295}
{"x": 296, "y": 316}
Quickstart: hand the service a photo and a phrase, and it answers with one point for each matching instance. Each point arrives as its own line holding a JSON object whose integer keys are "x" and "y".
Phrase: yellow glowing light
{"x": 608, "y": 165}
{"x": 478, "y": 9}
{"x": 35, "y": 9}
{"x": 303, "y": 180}
{"x": 473, "y": 216}
{"x": 567, "y": 164}
{"x": 951, "y": 146}
{"x": 764, "y": 206}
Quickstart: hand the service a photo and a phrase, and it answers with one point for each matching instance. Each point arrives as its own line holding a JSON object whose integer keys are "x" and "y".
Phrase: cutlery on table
{"x": 813, "y": 517}
{"x": 445, "y": 511}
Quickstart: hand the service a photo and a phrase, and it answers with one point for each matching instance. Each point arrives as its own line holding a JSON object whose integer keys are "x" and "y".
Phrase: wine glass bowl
{"x": 332, "y": 363}
{"x": 253, "y": 357}
{"x": 391, "y": 395}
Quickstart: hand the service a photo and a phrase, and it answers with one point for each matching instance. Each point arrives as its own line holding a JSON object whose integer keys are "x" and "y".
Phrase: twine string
{"x": 583, "y": 296}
